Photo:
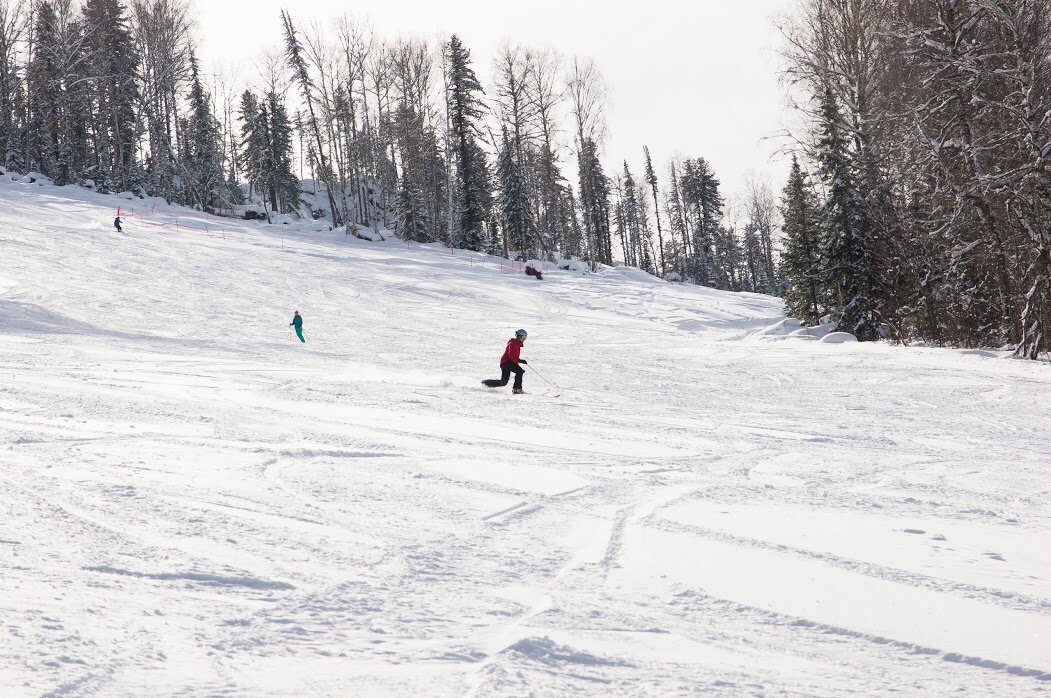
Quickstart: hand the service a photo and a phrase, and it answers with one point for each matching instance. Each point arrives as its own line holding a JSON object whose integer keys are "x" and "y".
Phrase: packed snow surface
{"x": 192, "y": 502}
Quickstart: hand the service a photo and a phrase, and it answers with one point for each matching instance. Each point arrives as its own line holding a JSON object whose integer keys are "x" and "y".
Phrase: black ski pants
{"x": 506, "y": 369}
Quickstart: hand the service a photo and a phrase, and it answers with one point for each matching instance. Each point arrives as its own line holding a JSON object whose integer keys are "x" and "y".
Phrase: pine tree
{"x": 473, "y": 189}
{"x": 629, "y": 214}
{"x": 420, "y": 191}
{"x": 413, "y": 222}
{"x": 679, "y": 225}
{"x": 73, "y": 152}
{"x": 729, "y": 258}
{"x": 112, "y": 63}
{"x": 849, "y": 260}
{"x": 42, "y": 80}
{"x": 514, "y": 204}
{"x": 203, "y": 158}
{"x": 651, "y": 179}
{"x": 573, "y": 243}
{"x": 802, "y": 263}
{"x": 297, "y": 63}
{"x": 595, "y": 204}
{"x": 753, "y": 268}
{"x": 254, "y": 144}
{"x": 282, "y": 178}
{"x": 704, "y": 203}
{"x": 478, "y": 190}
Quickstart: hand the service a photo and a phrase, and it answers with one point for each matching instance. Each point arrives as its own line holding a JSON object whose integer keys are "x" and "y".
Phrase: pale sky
{"x": 689, "y": 77}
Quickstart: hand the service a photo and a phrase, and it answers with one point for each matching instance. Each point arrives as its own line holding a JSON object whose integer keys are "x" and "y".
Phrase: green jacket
{"x": 298, "y": 321}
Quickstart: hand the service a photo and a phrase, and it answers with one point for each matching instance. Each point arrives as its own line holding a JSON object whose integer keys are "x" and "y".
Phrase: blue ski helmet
{"x": 521, "y": 334}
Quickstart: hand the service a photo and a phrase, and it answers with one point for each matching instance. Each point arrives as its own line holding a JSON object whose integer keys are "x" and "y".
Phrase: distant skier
{"x": 116, "y": 224}
{"x": 297, "y": 322}
{"x": 510, "y": 363}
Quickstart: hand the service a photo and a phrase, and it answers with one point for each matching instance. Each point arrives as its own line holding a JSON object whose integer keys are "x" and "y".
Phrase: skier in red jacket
{"x": 510, "y": 363}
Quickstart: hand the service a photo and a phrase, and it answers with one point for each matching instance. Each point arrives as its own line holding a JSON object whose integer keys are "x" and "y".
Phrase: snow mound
{"x": 22, "y": 317}
{"x": 838, "y": 338}
{"x": 631, "y": 274}
{"x": 365, "y": 233}
{"x": 792, "y": 328}
{"x": 546, "y": 651}
{"x": 32, "y": 178}
{"x": 574, "y": 265}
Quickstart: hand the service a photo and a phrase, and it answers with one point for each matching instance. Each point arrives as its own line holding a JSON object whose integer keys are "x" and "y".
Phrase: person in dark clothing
{"x": 533, "y": 271}
{"x": 116, "y": 224}
{"x": 511, "y": 363}
{"x": 297, "y": 322}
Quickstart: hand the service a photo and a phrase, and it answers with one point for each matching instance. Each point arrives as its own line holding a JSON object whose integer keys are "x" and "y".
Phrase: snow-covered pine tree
{"x": 266, "y": 151}
{"x": 42, "y": 84}
{"x": 56, "y": 134}
{"x": 802, "y": 261}
{"x": 595, "y": 204}
{"x": 112, "y": 63}
{"x": 518, "y": 125}
{"x": 761, "y": 208}
{"x": 254, "y": 144}
{"x": 849, "y": 262}
{"x": 413, "y": 223}
{"x": 161, "y": 30}
{"x": 413, "y": 140}
{"x": 515, "y": 218}
{"x": 703, "y": 200}
{"x": 423, "y": 169}
{"x": 479, "y": 188}
{"x": 473, "y": 194}
{"x": 752, "y": 252}
{"x": 1023, "y": 74}
{"x": 574, "y": 244}
{"x": 281, "y": 177}
{"x": 202, "y": 161}
{"x": 73, "y": 152}
{"x": 729, "y": 258}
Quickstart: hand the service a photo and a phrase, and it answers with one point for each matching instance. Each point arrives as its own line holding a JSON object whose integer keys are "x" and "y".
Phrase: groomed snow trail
{"x": 191, "y": 502}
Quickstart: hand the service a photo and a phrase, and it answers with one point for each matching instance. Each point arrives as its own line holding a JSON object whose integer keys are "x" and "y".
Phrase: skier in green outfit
{"x": 297, "y": 322}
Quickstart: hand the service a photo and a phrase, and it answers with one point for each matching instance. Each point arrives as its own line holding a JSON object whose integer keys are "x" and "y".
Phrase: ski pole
{"x": 530, "y": 367}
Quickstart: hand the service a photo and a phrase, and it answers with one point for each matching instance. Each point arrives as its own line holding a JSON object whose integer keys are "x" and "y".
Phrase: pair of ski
{"x": 522, "y": 392}
{"x": 539, "y": 394}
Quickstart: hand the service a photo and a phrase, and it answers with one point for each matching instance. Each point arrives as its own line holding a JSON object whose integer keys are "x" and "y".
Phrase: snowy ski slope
{"x": 193, "y": 503}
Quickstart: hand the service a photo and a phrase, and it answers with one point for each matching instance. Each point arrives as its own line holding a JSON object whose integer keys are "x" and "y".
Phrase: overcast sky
{"x": 689, "y": 77}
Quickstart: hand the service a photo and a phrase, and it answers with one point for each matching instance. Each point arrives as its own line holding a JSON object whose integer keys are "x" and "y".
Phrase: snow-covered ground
{"x": 193, "y": 503}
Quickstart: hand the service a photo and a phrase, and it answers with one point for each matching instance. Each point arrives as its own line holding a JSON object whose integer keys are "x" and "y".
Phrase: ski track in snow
{"x": 194, "y": 503}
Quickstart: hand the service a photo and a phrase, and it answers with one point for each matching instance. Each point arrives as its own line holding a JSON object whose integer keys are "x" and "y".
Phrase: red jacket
{"x": 511, "y": 353}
